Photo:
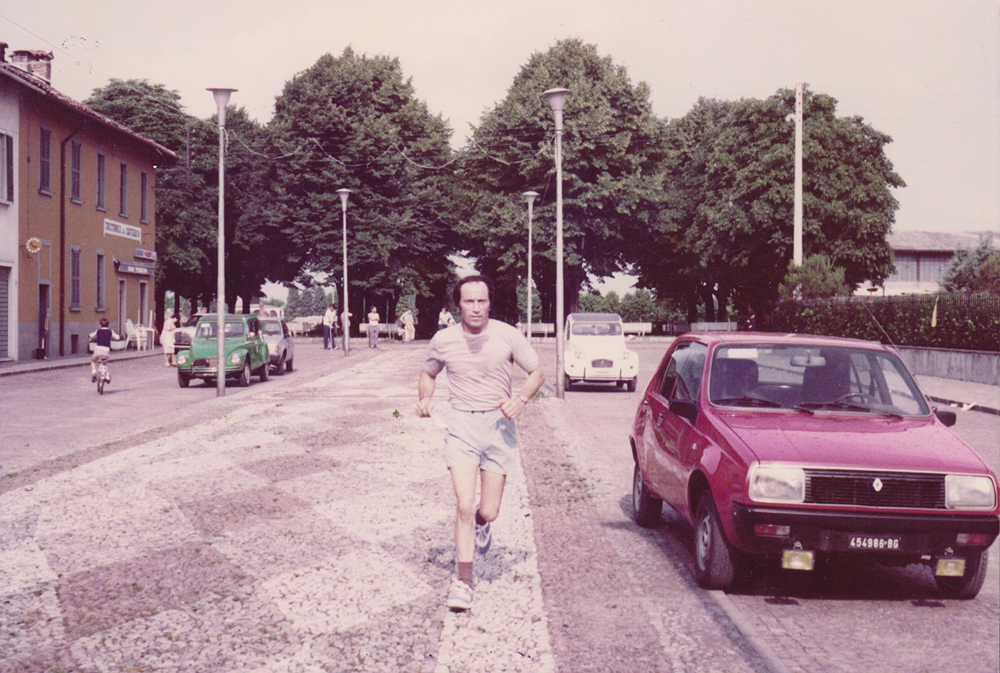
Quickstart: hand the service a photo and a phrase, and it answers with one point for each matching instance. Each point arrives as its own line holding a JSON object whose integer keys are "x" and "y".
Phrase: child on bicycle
{"x": 102, "y": 337}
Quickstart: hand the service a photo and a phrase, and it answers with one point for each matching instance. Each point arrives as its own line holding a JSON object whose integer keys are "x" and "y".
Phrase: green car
{"x": 246, "y": 351}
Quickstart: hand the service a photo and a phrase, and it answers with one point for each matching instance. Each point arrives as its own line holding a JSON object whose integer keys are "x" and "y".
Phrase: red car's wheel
{"x": 714, "y": 558}
{"x": 645, "y": 508}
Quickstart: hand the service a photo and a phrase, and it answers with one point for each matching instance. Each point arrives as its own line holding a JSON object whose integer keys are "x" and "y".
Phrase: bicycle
{"x": 103, "y": 375}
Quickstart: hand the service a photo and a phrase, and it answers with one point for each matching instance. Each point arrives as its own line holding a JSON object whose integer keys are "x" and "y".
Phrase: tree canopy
{"x": 354, "y": 122}
{"x": 730, "y": 235}
{"x": 977, "y": 269}
{"x": 611, "y": 160}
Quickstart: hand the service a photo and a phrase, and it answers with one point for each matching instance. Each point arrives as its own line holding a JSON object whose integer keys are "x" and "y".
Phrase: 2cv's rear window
{"x": 597, "y": 329}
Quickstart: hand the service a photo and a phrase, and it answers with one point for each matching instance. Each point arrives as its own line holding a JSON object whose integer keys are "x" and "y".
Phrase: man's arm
{"x": 425, "y": 388}
{"x": 513, "y": 406}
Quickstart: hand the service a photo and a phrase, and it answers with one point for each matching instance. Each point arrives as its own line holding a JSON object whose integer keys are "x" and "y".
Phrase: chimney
{"x": 35, "y": 62}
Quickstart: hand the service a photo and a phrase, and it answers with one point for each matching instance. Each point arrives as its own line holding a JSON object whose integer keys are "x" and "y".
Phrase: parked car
{"x": 184, "y": 335}
{"x": 280, "y": 344}
{"x": 246, "y": 351}
{"x": 809, "y": 449}
{"x": 596, "y": 351}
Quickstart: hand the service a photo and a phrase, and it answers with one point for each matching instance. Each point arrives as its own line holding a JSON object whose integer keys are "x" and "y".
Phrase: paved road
{"x": 304, "y": 525}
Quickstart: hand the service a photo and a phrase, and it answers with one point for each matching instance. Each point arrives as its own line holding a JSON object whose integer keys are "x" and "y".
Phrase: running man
{"x": 479, "y": 356}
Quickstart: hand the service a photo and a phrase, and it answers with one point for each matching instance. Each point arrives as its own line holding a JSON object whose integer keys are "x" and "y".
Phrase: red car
{"x": 803, "y": 448}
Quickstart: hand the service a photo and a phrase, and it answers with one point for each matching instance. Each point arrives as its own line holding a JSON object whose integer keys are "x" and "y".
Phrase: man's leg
{"x": 463, "y": 478}
{"x": 492, "y": 494}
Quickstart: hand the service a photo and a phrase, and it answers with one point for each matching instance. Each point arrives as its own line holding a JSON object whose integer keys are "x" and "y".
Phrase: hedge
{"x": 963, "y": 321}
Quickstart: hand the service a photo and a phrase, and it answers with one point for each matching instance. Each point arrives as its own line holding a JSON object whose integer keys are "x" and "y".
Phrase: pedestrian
{"x": 409, "y": 331}
{"x": 373, "y": 327}
{"x": 329, "y": 331}
{"x": 445, "y": 319}
{"x": 167, "y": 340}
{"x": 479, "y": 356}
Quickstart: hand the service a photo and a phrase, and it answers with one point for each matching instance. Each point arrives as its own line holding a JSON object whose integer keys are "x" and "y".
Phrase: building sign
{"x": 113, "y": 228}
{"x": 141, "y": 268}
{"x": 139, "y": 253}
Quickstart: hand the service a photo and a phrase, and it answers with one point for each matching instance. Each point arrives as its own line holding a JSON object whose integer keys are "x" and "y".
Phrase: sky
{"x": 925, "y": 72}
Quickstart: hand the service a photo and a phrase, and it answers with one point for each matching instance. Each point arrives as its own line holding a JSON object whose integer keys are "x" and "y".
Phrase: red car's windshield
{"x": 813, "y": 378}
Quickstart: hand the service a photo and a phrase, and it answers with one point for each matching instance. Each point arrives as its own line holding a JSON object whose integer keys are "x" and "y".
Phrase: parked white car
{"x": 280, "y": 344}
{"x": 597, "y": 351}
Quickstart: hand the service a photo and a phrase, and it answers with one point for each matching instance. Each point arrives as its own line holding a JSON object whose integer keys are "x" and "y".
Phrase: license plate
{"x": 873, "y": 543}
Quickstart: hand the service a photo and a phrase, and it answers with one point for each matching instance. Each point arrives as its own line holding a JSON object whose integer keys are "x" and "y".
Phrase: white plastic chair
{"x": 131, "y": 335}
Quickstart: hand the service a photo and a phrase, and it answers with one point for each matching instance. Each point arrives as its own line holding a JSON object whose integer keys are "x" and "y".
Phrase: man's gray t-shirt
{"x": 480, "y": 366}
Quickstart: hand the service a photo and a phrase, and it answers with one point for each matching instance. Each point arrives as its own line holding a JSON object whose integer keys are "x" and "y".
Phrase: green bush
{"x": 963, "y": 321}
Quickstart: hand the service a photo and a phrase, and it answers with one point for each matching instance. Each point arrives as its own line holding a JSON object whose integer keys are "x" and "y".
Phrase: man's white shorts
{"x": 484, "y": 438}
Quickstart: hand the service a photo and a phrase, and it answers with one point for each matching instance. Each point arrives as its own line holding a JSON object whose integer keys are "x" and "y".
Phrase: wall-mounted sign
{"x": 139, "y": 253}
{"x": 141, "y": 268}
{"x": 112, "y": 228}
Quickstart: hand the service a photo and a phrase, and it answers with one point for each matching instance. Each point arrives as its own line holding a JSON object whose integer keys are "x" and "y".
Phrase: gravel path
{"x": 307, "y": 528}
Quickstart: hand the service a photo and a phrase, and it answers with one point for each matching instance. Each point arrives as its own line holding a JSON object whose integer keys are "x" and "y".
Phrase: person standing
{"x": 329, "y": 333}
{"x": 409, "y": 331}
{"x": 445, "y": 319}
{"x": 373, "y": 327}
{"x": 167, "y": 341}
{"x": 478, "y": 355}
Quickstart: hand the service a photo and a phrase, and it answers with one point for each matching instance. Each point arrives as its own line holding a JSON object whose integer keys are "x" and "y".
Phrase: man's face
{"x": 475, "y": 307}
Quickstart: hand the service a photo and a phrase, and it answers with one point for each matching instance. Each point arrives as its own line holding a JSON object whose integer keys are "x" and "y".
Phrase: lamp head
{"x": 530, "y": 197}
{"x": 344, "y": 193}
{"x": 221, "y": 101}
{"x": 556, "y": 98}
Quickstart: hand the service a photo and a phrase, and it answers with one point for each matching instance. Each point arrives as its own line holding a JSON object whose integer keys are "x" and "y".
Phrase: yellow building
{"x": 77, "y": 216}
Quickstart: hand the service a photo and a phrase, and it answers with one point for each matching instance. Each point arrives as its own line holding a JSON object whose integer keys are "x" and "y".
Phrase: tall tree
{"x": 354, "y": 122}
{"x": 726, "y": 236}
{"x": 611, "y": 157}
{"x": 745, "y": 219}
{"x": 668, "y": 255}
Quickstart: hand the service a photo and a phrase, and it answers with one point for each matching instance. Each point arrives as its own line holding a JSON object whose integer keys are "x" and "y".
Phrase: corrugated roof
{"x": 932, "y": 241}
{"x": 43, "y": 87}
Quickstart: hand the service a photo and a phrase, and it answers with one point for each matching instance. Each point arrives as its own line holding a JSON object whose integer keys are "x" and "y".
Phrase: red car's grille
{"x": 875, "y": 489}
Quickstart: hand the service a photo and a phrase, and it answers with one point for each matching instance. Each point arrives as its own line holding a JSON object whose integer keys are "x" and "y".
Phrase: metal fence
{"x": 964, "y": 321}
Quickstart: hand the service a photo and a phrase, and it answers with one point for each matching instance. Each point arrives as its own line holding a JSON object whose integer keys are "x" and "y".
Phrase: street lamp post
{"x": 557, "y": 99}
{"x": 344, "y": 193}
{"x": 797, "y": 218}
{"x": 530, "y": 198}
{"x": 221, "y": 101}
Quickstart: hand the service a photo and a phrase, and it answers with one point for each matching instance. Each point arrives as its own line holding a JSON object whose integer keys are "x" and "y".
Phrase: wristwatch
{"x": 522, "y": 398}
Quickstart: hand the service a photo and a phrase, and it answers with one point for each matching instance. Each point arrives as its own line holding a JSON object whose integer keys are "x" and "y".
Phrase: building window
{"x": 74, "y": 274}
{"x": 6, "y": 168}
{"x": 76, "y": 166}
{"x": 45, "y": 161}
{"x": 100, "y": 276}
{"x": 102, "y": 181}
{"x": 143, "y": 197}
{"x": 123, "y": 191}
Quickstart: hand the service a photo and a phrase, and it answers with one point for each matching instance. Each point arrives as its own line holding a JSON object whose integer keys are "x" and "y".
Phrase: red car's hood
{"x": 853, "y": 441}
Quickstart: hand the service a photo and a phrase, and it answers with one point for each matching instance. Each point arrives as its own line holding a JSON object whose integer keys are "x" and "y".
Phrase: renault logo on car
{"x": 877, "y": 485}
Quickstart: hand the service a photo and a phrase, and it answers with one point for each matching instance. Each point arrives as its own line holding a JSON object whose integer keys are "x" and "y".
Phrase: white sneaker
{"x": 459, "y": 596}
{"x": 484, "y": 538}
